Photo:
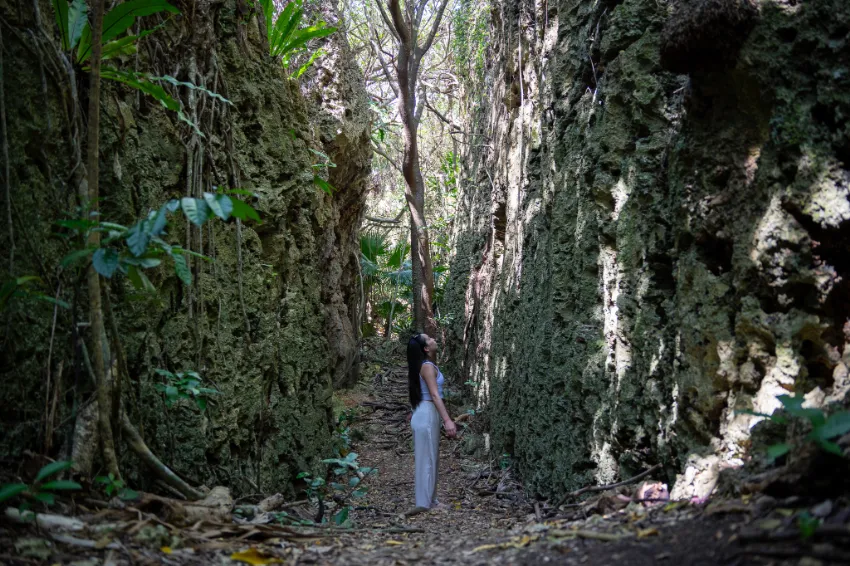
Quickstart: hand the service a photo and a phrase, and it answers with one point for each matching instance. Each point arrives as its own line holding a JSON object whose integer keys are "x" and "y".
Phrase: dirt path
{"x": 487, "y": 521}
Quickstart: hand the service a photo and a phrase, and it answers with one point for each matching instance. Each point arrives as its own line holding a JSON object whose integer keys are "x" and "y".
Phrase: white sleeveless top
{"x": 426, "y": 394}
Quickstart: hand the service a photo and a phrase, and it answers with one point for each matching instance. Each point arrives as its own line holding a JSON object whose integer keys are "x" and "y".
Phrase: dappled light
{"x": 425, "y": 281}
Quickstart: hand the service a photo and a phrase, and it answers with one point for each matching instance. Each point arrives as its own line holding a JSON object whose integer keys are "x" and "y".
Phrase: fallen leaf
{"x": 674, "y": 505}
{"x": 394, "y": 542}
{"x": 103, "y": 543}
{"x": 33, "y": 548}
{"x": 769, "y": 524}
{"x": 486, "y": 547}
{"x": 254, "y": 556}
{"x": 650, "y": 532}
{"x": 166, "y": 549}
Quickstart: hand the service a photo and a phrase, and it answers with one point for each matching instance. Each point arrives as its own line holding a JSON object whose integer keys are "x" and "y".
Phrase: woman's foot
{"x": 437, "y": 506}
{"x": 415, "y": 511}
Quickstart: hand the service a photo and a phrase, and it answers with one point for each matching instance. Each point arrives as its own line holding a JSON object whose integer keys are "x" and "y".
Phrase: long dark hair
{"x": 416, "y": 356}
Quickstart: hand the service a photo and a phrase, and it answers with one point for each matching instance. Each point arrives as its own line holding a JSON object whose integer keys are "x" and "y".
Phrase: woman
{"x": 425, "y": 382}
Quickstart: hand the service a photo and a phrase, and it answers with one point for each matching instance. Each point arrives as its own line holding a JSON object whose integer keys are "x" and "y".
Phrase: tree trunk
{"x": 420, "y": 253}
{"x": 93, "y": 279}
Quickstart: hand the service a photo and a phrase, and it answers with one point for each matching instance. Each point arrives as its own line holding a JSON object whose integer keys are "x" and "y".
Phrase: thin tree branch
{"x": 399, "y": 23}
{"x": 95, "y": 305}
{"x": 440, "y": 115}
{"x": 434, "y": 27}
{"x": 380, "y": 152}
{"x": 386, "y": 19}
{"x": 383, "y": 220}
{"x": 384, "y": 67}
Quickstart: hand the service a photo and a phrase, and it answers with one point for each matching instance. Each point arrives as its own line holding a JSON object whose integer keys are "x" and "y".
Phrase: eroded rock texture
{"x": 640, "y": 252}
{"x": 270, "y": 321}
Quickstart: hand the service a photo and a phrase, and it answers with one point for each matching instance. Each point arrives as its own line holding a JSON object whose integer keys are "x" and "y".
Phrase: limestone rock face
{"x": 640, "y": 253}
{"x": 270, "y": 322}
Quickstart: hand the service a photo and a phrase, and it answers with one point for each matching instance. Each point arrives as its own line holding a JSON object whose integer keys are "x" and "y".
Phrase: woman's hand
{"x": 451, "y": 429}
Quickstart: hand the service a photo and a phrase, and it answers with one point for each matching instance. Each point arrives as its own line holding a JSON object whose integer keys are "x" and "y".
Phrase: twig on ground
{"x": 592, "y": 489}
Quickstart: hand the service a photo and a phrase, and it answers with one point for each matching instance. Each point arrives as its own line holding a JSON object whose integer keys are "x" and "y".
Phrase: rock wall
{"x": 268, "y": 322}
{"x": 657, "y": 233}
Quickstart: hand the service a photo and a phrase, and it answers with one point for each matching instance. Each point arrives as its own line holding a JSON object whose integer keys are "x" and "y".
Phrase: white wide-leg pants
{"x": 426, "y": 449}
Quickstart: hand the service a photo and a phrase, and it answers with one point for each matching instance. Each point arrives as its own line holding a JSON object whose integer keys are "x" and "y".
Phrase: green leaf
{"x": 138, "y": 238}
{"x": 127, "y": 494}
{"x": 175, "y": 82}
{"x": 302, "y": 475}
{"x": 141, "y": 82}
{"x": 61, "y": 485}
{"x": 123, "y": 46}
{"x": 777, "y": 450}
{"x": 202, "y": 403}
{"x": 10, "y": 490}
{"x": 77, "y": 22}
{"x": 48, "y": 498}
{"x": 221, "y": 205}
{"x": 302, "y": 36}
{"x": 836, "y": 425}
{"x": 165, "y": 373}
{"x": 140, "y": 281}
{"x": 53, "y": 468}
{"x": 353, "y": 481}
{"x": 341, "y": 516}
{"x": 359, "y": 493}
{"x": 283, "y": 27}
{"x": 171, "y": 395}
{"x": 830, "y": 447}
{"x": 60, "y": 9}
{"x": 794, "y": 406}
{"x": 351, "y": 457}
{"x": 324, "y": 185}
{"x": 105, "y": 261}
{"x": 160, "y": 219}
{"x": 244, "y": 211}
{"x": 76, "y": 256}
{"x": 143, "y": 262}
{"x": 303, "y": 68}
{"x": 398, "y": 255}
{"x": 119, "y": 19}
{"x": 195, "y": 209}
{"x": 182, "y": 269}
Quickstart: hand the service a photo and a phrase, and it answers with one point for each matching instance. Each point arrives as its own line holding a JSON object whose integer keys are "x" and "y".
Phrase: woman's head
{"x": 419, "y": 349}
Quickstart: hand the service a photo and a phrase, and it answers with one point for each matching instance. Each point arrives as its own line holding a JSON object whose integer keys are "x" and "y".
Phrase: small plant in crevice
{"x": 40, "y": 490}
{"x": 807, "y": 525}
{"x": 344, "y": 434}
{"x": 113, "y": 486}
{"x": 287, "y": 38}
{"x": 824, "y": 428}
{"x": 504, "y": 461}
{"x": 325, "y": 164}
{"x": 347, "y": 484}
{"x": 184, "y": 385}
